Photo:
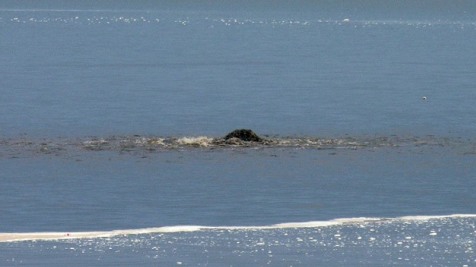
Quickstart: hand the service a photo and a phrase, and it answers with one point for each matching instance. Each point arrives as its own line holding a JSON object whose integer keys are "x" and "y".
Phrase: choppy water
{"x": 113, "y": 118}
{"x": 136, "y": 144}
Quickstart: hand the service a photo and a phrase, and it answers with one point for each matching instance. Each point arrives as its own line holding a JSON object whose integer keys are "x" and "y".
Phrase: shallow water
{"x": 113, "y": 118}
{"x": 244, "y": 186}
{"x": 406, "y": 241}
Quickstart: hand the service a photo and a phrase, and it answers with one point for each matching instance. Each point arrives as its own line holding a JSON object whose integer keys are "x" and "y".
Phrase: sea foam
{"x": 37, "y": 236}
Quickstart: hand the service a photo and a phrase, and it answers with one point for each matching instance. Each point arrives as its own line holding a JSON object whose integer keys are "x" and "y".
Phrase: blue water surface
{"x": 76, "y": 73}
{"x": 72, "y": 71}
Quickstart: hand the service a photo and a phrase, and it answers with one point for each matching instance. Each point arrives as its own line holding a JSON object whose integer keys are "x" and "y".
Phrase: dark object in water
{"x": 244, "y": 135}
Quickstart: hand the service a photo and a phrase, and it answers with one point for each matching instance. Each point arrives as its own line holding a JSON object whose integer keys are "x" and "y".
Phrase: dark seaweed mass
{"x": 244, "y": 135}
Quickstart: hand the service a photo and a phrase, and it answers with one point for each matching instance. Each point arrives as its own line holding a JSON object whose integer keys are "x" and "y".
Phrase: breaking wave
{"x": 361, "y": 221}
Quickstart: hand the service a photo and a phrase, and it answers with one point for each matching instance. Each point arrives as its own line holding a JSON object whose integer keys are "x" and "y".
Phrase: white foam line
{"x": 12, "y": 237}
{"x": 16, "y": 237}
{"x": 435, "y": 217}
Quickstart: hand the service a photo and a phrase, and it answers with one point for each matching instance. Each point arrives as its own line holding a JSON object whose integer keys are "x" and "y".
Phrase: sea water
{"x": 110, "y": 116}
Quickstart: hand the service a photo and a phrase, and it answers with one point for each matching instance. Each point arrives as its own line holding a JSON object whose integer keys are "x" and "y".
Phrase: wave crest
{"x": 16, "y": 237}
